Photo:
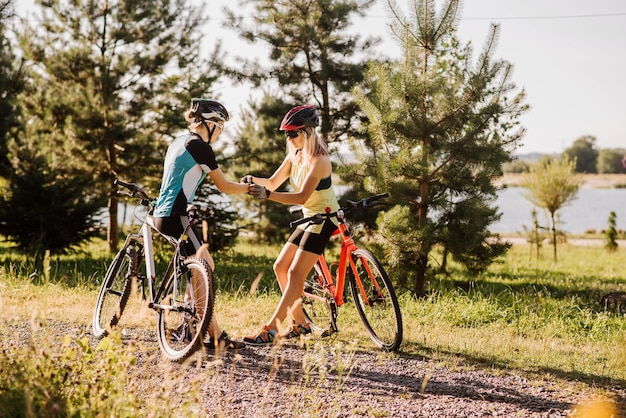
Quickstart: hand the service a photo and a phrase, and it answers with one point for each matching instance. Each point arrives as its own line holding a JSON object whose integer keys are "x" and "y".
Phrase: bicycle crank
{"x": 333, "y": 320}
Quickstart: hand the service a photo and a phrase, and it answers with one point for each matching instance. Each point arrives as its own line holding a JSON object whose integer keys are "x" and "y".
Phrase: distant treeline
{"x": 589, "y": 158}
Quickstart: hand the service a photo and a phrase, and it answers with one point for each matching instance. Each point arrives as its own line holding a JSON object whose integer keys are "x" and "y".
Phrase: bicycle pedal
{"x": 328, "y": 332}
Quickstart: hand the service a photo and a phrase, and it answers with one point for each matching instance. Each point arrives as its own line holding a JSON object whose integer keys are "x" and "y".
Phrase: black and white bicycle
{"x": 183, "y": 297}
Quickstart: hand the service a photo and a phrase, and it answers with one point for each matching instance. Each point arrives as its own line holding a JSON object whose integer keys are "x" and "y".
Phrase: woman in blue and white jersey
{"x": 188, "y": 161}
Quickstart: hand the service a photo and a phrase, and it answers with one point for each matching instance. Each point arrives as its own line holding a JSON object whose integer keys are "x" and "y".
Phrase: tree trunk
{"x": 553, "y": 236}
{"x": 113, "y": 228}
{"x": 422, "y": 261}
{"x": 419, "y": 284}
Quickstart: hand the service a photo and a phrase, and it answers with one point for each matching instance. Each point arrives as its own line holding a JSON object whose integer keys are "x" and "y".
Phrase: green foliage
{"x": 440, "y": 127}
{"x": 550, "y": 185}
{"x": 516, "y": 166}
{"x": 469, "y": 248}
{"x": 610, "y": 241}
{"x": 44, "y": 208}
{"x": 610, "y": 160}
{"x": 109, "y": 80}
{"x": 535, "y": 235}
{"x": 74, "y": 379}
{"x": 11, "y": 84}
{"x": 313, "y": 55}
{"x": 248, "y": 266}
{"x": 585, "y": 153}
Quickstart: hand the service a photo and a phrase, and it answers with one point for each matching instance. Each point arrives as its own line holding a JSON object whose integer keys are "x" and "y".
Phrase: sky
{"x": 568, "y": 55}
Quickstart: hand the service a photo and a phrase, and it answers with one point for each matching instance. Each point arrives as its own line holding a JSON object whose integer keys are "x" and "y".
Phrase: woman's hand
{"x": 258, "y": 191}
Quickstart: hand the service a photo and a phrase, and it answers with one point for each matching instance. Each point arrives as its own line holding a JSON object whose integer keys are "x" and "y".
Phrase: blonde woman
{"x": 308, "y": 168}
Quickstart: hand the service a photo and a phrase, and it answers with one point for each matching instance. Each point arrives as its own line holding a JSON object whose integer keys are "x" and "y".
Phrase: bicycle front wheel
{"x": 186, "y": 309}
{"x": 115, "y": 291}
{"x": 375, "y": 300}
{"x": 318, "y": 303}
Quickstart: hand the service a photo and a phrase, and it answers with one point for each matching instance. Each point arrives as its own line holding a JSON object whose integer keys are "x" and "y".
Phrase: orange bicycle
{"x": 372, "y": 291}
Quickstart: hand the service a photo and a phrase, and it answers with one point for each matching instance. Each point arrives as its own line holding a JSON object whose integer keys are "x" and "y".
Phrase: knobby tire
{"x": 318, "y": 313}
{"x": 379, "y": 309}
{"x": 182, "y": 326}
{"x": 115, "y": 291}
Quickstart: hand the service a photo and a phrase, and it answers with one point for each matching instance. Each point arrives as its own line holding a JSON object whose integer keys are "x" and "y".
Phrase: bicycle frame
{"x": 145, "y": 239}
{"x": 347, "y": 247}
{"x": 370, "y": 286}
{"x": 184, "y": 298}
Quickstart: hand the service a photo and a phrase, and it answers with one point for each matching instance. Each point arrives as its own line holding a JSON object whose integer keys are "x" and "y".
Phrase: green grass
{"x": 531, "y": 315}
{"x": 523, "y": 315}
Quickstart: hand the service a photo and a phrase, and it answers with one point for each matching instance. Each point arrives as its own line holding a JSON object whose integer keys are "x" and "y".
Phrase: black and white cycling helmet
{"x": 300, "y": 117}
{"x": 208, "y": 110}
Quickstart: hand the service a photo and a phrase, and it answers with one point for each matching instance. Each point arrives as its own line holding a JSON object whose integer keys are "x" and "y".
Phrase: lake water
{"x": 590, "y": 210}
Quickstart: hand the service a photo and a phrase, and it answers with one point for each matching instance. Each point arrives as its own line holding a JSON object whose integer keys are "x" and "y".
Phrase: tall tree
{"x": 313, "y": 55}
{"x": 440, "y": 128}
{"x": 610, "y": 160}
{"x": 113, "y": 78}
{"x": 585, "y": 153}
{"x": 11, "y": 83}
{"x": 550, "y": 185}
{"x": 45, "y": 206}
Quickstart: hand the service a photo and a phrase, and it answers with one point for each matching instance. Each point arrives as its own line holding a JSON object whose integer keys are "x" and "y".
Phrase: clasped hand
{"x": 255, "y": 190}
{"x": 258, "y": 191}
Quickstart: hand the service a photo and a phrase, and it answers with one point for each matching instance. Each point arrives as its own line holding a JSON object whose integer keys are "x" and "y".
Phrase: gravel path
{"x": 328, "y": 380}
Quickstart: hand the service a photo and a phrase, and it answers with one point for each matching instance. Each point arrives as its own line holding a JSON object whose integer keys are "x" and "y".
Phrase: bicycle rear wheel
{"x": 115, "y": 291}
{"x": 319, "y": 305}
{"x": 375, "y": 300}
{"x": 186, "y": 309}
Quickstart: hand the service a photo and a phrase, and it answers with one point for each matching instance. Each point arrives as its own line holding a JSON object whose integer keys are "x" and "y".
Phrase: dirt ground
{"x": 293, "y": 381}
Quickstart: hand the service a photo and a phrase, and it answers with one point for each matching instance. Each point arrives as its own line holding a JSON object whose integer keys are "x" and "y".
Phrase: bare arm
{"x": 226, "y": 186}
{"x": 321, "y": 168}
{"x": 278, "y": 178}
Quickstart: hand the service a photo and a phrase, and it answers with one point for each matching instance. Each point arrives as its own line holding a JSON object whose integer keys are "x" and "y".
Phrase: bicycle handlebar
{"x": 350, "y": 205}
{"x": 200, "y": 209}
{"x": 135, "y": 191}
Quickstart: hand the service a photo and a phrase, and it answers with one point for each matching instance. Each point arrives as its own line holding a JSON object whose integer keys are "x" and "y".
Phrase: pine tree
{"x": 440, "y": 127}
{"x": 46, "y": 208}
{"x": 610, "y": 241}
{"x": 11, "y": 84}
{"x": 112, "y": 80}
{"x": 313, "y": 54}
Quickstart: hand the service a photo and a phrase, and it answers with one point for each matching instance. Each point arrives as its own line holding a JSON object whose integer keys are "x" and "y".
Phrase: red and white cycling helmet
{"x": 300, "y": 117}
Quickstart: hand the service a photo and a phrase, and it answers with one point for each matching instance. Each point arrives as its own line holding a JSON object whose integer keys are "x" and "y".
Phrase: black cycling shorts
{"x": 174, "y": 226}
{"x": 311, "y": 242}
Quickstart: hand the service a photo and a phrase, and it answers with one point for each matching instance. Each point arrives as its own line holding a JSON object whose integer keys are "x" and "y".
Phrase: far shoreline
{"x": 590, "y": 181}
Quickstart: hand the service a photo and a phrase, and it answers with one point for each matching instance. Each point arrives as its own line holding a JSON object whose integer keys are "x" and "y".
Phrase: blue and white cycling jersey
{"x": 187, "y": 162}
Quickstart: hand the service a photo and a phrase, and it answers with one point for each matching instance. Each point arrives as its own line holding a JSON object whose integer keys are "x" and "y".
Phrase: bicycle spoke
{"x": 186, "y": 310}
{"x": 318, "y": 303}
{"x": 114, "y": 292}
{"x": 375, "y": 300}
